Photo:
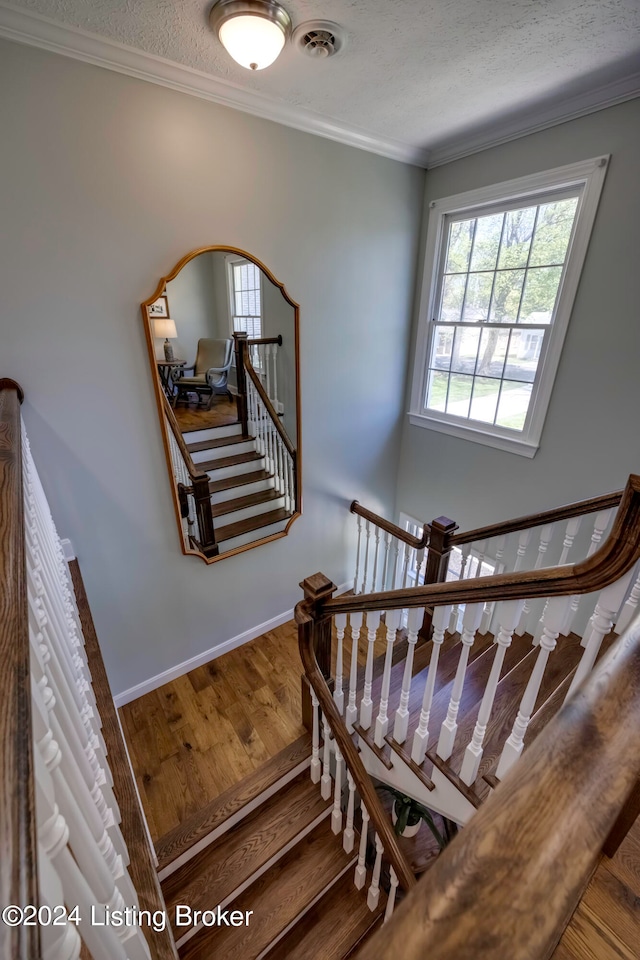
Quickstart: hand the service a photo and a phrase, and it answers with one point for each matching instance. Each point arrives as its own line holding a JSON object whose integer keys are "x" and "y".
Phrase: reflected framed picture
{"x": 159, "y": 308}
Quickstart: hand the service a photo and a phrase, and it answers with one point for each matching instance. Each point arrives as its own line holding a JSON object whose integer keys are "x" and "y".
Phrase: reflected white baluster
{"x": 470, "y": 623}
{"x": 351, "y": 714}
{"x": 336, "y": 814}
{"x": 315, "y": 739}
{"x": 382, "y": 720}
{"x": 373, "y": 893}
{"x": 393, "y": 889}
{"x": 348, "y": 836}
{"x": 441, "y": 617}
{"x": 325, "y": 783}
{"x": 366, "y": 704}
{"x": 628, "y": 611}
{"x": 338, "y": 695}
{"x": 599, "y": 626}
{"x": 600, "y": 524}
{"x": 361, "y": 868}
{"x": 355, "y": 578}
{"x": 554, "y": 616}
{"x": 414, "y": 621}
{"x": 367, "y": 540}
{"x": 545, "y": 537}
{"x": 510, "y": 613}
{"x": 276, "y": 400}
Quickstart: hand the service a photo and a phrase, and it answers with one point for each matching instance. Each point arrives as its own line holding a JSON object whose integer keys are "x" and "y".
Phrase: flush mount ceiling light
{"x": 253, "y": 32}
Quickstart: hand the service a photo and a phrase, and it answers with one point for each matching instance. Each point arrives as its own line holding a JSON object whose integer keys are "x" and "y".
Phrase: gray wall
{"x": 591, "y": 440}
{"x": 192, "y": 304}
{"x": 106, "y": 182}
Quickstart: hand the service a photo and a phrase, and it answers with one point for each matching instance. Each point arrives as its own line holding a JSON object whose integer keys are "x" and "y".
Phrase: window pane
{"x": 523, "y": 356}
{"x": 506, "y": 296}
{"x": 437, "y": 390}
{"x": 465, "y": 350}
{"x": 460, "y": 237}
{"x": 452, "y": 296}
{"x": 441, "y": 358}
{"x": 476, "y": 304}
{"x": 553, "y": 231}
{"x": 492, "y": 353}
{"x": 459, "y": 395}
{"x": 513, "y": 406}
{"x": 540, "y": 292}
{"x": 516, "y": 238}
{"x": 486, "y": 242}
{"x": 485, "y": 399}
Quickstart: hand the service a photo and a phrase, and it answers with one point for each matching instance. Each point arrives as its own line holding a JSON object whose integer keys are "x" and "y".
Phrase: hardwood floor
{"x": 193, "y": 417}
{"x": 606, "y": 925}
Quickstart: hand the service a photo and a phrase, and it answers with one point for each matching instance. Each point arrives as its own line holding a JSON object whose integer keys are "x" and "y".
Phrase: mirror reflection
{"x": 223, "y": 339}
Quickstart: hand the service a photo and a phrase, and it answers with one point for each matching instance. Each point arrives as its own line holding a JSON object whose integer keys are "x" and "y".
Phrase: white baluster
{"x": 385, "y": 567}
{"x": 373, "y": 894}
{"x": 391, "y": 899}
{"x": 405, "y": 564}
{"x": 441, "y": 617}
{"x": 545, "y": 537}
{"x": 336, "y": 814}
{"x": 573, "y": 525}
{"x": 325, "y": 783}
{"x": 348, "y": 836}
{"x": 338, "y": 694}
{"x": 455, "y": 612}
{"x": 396, "y": 578}
{"x": 361, "y": 868}
{"x": 266, "y": 357}
{"x": 367, "y": 531}
{"x": 358, "y": 543}
{"x": 599, "y": 626}
{"x": 366, "y": 704}
{"x": 374, "y": 575}
{"x": 509, "y": 616}
{"x": 382, "y": 720}
{"x": 274, "y": 354}
{"x": 414, "y": 621}
{"x": 351, "y": 714}
{"x": 599, "y": 526}
{"x": 470, "y": 623}
{"x": 628, "y": 611}
{"x": 489, "y": 607}
{"x": 554, "y": 616}
{"x": 315, "y": 739}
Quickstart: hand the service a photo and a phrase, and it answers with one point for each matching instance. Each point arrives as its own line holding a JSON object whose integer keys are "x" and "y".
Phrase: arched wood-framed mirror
{"x": 223, "y": 340}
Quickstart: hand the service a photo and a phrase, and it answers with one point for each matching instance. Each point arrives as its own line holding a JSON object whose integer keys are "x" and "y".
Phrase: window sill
{"x": 524, "y": 448}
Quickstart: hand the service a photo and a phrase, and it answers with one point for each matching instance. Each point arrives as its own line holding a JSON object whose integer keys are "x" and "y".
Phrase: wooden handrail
{"x": 255, "y": 379}
{"x": 18, "y": 835}
{"x": 259, "y": 340}
{"x": 418, "y": 543}
{"x": 615, "y": 557}
{"x": 304, "y": 615}
{"x": 581, "y": 507}
{"x": 194, "y": 473}
{"x": 497, "y": 891}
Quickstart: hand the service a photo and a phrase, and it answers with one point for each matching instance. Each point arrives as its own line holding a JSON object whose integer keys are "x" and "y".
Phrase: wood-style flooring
{"x": 194, "y": 417}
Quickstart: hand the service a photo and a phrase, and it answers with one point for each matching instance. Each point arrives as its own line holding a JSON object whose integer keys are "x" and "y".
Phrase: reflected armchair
{"x": 210, "y": 372}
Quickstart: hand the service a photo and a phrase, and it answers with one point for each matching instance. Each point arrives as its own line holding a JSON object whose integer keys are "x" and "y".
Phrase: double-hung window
{"x": 501, "y": 273}
{"x": 245, "y": 297}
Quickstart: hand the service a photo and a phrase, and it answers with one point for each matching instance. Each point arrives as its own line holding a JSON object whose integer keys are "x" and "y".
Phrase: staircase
{"x": 245, "y": 502}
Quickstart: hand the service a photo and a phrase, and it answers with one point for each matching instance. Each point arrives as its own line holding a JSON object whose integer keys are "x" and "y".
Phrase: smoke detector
{"x": 319, "y": 39}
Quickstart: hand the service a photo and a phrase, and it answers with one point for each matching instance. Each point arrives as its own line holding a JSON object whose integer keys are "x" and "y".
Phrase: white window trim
{"x": 230, "y": 260}
{"x": 588, "y": 174}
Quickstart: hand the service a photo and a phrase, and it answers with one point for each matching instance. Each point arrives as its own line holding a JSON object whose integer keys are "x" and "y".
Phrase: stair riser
{"x": 212, "y": 433}
{"x": 216, "y": 453}
{"x": 244, "y": 490}
{"x": 222, "y": 473}
{"x": 247, "y": 512}
{"x": 252, "y": 536}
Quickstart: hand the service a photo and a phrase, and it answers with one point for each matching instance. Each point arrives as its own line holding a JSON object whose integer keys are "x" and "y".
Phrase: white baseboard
{"x": 132, "y": 693}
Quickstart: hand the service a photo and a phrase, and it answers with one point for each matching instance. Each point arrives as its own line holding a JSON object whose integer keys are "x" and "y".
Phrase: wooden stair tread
{"x": 251, "y": 523}
{"x": 240, "y": 503}
{"x": 277, "y": 899}
{"x": 230, "y": 803}
{"x": 221, "y": 868}
{"x": 333, "y": 928}
{"x": 237, "y": 458}
{"x": 240, "y": 479}
{"x": 200, "y": 445}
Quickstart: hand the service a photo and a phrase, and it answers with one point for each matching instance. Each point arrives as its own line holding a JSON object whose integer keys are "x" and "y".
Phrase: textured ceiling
{"x": 424, "y": 72}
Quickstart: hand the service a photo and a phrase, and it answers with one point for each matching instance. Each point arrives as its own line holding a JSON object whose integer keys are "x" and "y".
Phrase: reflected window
{"x": 245, "y": 297}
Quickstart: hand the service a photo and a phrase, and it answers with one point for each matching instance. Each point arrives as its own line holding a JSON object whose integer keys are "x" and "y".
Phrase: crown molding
{"x": 536, "y": 119}
{"x": 23, "y": 26}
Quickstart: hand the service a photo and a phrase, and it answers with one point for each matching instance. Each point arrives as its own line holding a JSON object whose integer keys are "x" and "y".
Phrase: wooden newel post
{"x": 442, "y": 529}
{"x": 204, "y": 516}
{"x": 317, "y": 589}
{"x": 240, "y": 345}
